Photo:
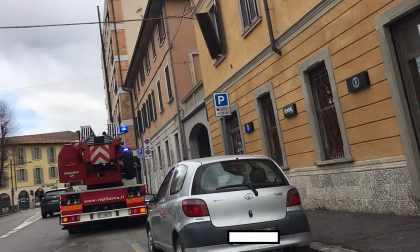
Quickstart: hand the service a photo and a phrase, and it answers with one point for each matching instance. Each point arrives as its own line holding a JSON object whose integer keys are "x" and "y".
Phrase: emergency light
{"x": 123, "y": 129}
{"x": 125, "y": 149}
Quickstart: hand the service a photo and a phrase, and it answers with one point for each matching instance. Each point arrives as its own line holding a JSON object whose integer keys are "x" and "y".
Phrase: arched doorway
{"x": 23, "y": 199}
{"x": 38, "y": 196}
{"x": 4, "y": 202}
{"x": 199, "y": 142}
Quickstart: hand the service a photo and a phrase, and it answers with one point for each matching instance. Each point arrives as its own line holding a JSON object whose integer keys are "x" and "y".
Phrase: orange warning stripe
{"x": 135, "y": 200}
{"x": 71, "y": 207}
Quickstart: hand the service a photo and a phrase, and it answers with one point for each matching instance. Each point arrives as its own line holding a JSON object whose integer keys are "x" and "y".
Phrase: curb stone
{"x": 329, "y": 248}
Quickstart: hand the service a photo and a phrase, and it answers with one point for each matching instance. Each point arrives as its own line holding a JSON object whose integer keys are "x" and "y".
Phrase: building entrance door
{"x": 406, "y": 36}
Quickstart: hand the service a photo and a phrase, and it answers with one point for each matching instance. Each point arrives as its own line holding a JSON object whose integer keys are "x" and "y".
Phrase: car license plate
{"x": 254, "y": 237}
{"x": 104, "y": 215}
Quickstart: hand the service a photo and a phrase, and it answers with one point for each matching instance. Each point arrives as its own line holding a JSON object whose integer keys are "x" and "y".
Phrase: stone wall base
{"x": 375, "y": 186}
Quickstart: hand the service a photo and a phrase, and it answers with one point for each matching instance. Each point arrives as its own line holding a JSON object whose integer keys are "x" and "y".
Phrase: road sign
{"x": 221, "y": 104}
{"x": 140, "y": 152}
{"x": 146, "y": 142}
{"x": 147, "y": 153}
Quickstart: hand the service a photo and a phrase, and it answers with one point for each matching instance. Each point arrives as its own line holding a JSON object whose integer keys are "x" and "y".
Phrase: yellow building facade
{"x": 326, "y": 97}
{"x": 34, "y": 168}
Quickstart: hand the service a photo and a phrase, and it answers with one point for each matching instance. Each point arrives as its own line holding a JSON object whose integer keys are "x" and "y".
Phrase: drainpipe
{"x": 181, "y": 128}
{"x": 270, "y": 29}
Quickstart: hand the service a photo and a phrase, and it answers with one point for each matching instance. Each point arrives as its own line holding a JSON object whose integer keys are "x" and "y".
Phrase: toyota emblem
{"x": 248, "y": 196}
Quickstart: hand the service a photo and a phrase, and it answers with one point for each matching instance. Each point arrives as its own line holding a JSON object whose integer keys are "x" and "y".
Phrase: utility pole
{"x": 11, "y": 180}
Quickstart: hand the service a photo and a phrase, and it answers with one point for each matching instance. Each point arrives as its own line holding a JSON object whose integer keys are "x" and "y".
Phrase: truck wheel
{"x": 128, "y": 166}
{"x": 74, "y": 230}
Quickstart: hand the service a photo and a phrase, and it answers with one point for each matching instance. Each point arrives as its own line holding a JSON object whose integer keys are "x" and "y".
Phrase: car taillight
{"x": 140, "y": 210}
{"x": 293, "y": 198}
{"x": 68, "y": 219}
{"x": 195, "y": 208}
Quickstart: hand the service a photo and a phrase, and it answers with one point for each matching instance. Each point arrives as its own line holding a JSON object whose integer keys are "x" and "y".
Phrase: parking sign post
{"x": 221, "y": 104}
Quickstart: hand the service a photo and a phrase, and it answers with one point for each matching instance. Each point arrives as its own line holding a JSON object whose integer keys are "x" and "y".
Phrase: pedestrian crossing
{"x": 29, "y": 221}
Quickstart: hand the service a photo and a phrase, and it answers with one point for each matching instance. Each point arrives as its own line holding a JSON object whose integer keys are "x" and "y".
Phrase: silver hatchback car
{"x": 227, "y": 203}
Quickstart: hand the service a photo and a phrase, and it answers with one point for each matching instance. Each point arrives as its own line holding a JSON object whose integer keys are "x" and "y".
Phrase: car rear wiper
{"x": 240, "y": 185}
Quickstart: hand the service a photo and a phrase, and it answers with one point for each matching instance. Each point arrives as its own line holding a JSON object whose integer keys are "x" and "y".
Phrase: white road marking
{"x": 29, "y": 221}
{"x": 137, "y": 247}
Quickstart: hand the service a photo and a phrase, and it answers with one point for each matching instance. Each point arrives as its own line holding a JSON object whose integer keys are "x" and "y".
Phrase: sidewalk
{"x": 365, "y": 232}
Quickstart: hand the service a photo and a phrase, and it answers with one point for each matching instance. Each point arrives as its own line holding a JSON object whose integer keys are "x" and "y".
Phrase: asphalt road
{"x": 27, "y": 231}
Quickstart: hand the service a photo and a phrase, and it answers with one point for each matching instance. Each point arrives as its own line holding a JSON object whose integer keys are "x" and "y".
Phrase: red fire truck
{"x": 99, "y": 173}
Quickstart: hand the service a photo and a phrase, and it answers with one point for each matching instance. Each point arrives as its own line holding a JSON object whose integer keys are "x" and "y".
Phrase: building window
{"x": 22, "y": 175}
{"x": 36, "y": 153}
{"x": 20, "y": 156}
{"x": 51, "y": 155}
{"x": 234, "y": 144}
{"x": 154, "y": 105}
{"x": 177, "y": 149}
{"x": 152, "y": 41}
{"x": 139, "y": 122}
{"x": 325, "y": 117}
{"x": 161, "y": 29}
{"x": 249, "y": 13}
{"x": 145, "y": 115}
{"x": 159, "y": 95}
{"x": 168, "y": 83}
{"x": 38, "y": 176}
{"x": 168, "y": 153}
{"x": 141, "y": 74}
{"x": 52, "y": 172}
{"x": 160, "y": 157}
{"x": 269, "y": 125}
{"x": 210, "y": 25}
{"x": 4, "y": 182}
{"x": 146, "y": 62}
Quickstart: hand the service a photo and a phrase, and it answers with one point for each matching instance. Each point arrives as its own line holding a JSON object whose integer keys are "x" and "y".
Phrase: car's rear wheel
{"x": 178, "y": 246}
{"x": 150, "y": 243}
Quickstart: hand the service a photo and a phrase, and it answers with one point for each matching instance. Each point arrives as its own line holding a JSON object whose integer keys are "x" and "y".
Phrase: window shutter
{"x": 33, "y": 154}
{"x": 210, "y": 35}
{"x": 244, "y": 13}
{"x": 35, "y": 180}
{"x": 49, "y": 173}
{"x": 41, "y": 175}
{"x": 253, "y": 14}
{"x": 25, "y": 175}
{"x": 154, "y": 105}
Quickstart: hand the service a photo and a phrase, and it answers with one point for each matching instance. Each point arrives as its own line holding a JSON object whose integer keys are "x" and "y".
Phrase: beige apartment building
{"x": 119, "y": 34}
{"x": 160, "y": 76}
{"x": 328, "y": 88}
{"x": 32, "y": 168}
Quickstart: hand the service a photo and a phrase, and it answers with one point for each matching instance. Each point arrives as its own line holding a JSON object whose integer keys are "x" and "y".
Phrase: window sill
{"x": 249, "y": 29}
{"x": 161, "y": 111}
{"x": 219, "y": 60}
{"x": 334, "y": 161}
{"x": 170, "y": 100}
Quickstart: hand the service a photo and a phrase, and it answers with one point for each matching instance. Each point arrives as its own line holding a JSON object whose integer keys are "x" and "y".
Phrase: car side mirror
{"x": 149, "y": 198}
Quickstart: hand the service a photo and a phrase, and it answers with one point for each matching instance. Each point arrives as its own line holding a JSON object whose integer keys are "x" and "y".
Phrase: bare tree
{"x": 6, "y": 129}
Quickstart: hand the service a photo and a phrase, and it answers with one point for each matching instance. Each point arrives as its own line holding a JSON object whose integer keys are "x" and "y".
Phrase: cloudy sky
{"x": 52, "y": 77}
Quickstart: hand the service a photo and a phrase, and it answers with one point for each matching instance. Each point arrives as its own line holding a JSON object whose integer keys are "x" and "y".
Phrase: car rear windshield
{"x": 54, "y": 193}
{"x": 230, "y": 175}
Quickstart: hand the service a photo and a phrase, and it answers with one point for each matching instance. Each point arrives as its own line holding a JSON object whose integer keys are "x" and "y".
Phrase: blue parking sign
{"x": 221, "y": 104}
{"x": 140, "y": 152}
{"x": 221, "y": 100}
